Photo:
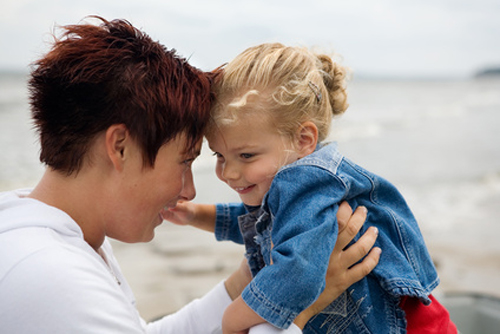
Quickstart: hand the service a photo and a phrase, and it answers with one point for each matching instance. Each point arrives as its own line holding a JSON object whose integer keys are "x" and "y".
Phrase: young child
{"x": 273, "y": 112}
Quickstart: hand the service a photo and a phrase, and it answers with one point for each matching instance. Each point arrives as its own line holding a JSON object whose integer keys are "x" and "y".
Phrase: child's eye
{"x": 246, "y": 155}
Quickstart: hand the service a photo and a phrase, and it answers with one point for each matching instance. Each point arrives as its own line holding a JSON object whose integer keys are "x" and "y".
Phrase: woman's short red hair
{"x": 99, "y": 75}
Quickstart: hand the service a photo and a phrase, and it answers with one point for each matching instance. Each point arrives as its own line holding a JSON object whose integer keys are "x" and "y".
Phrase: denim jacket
{"x": 295, "y": 230}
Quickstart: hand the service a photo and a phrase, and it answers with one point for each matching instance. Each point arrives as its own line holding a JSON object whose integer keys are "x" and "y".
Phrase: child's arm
{"x": 220, "y": 218}
{"x": 201, "y": 216}
{"x": 238, "y": 318}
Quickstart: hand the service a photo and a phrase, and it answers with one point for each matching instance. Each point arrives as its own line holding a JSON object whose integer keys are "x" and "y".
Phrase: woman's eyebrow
{"x": 193, "y": 154}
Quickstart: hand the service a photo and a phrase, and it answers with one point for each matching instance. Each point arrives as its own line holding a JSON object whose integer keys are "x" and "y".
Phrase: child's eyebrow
{"x": 244, "y": 147}
{"x": 238, "y": 148}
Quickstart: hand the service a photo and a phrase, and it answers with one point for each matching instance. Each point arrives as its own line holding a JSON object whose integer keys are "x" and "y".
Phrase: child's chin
{"x": 251, "y": 203}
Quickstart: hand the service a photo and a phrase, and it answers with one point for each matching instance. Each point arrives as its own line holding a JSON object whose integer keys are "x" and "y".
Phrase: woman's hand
{"x": 340, "y": 274}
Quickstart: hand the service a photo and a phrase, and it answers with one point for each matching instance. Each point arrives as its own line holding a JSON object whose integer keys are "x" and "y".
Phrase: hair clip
{"x": 315, "y": 90}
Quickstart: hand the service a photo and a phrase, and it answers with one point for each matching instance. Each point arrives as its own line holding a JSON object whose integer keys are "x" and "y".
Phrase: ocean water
{"x": 438, "y": 141}
{"x": 19, "y": 166}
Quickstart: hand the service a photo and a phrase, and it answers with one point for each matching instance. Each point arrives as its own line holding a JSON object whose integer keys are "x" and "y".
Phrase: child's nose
{"x": 230, "y": 171}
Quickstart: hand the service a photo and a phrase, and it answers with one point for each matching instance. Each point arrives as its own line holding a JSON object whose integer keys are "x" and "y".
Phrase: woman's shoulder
{"x": 37, "y": 251}
{"x": 58, "y": 285}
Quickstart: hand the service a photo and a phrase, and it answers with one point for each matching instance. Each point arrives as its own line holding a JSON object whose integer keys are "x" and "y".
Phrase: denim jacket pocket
{"x": 343, "y": 315}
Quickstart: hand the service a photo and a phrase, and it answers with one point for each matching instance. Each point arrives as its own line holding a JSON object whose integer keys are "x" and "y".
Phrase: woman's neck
{"x": 77, "y": 197}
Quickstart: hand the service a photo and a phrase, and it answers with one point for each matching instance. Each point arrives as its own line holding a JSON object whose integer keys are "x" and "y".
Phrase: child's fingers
{"x": 353, "y": 226}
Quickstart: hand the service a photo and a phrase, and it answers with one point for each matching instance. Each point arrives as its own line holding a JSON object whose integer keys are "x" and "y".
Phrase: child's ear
{"x": 307, "y": 138}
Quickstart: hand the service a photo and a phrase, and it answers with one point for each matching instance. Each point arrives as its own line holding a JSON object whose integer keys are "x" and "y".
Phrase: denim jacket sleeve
{"x": 226, "y": 224}
{"x": 302, "y": 202}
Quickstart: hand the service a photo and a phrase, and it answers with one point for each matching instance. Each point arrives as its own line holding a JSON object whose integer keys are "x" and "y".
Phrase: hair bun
{"x": 334, "y": 78}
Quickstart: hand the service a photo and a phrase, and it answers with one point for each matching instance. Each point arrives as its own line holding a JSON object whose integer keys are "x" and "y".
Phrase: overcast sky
{"x": 375, "y": 37}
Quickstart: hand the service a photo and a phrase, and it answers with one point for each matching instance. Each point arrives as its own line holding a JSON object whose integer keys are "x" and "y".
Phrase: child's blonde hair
{"x": 292, "y": 84}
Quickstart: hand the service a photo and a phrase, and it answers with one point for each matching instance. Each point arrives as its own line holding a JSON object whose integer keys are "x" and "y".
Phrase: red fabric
{"x": 422, "y": 319}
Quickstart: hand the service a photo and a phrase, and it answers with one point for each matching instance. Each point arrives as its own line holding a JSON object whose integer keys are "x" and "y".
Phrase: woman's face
{"x": 145, "y": 191}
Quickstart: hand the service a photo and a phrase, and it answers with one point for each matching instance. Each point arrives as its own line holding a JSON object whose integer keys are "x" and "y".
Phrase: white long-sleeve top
{"x": 52, "y": 281}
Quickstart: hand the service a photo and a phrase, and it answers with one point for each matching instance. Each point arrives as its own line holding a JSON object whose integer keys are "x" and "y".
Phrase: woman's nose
{"x": 188, "y": 190}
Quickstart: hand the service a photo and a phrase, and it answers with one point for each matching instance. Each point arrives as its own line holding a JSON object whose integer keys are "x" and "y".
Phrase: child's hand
{"x": 183, "y": 213}
{"x": 201, "y": 216}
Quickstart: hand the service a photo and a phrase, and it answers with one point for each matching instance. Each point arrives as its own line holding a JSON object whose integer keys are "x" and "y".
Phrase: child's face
{"x": 249, "y": 153}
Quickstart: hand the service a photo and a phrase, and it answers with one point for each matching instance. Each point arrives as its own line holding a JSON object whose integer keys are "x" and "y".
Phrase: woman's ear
{"x": 307, "y": 138}
{"x": 117, "y": 139}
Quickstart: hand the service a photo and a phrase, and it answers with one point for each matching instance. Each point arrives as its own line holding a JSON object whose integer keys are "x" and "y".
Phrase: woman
{"x": 120, "y": 120}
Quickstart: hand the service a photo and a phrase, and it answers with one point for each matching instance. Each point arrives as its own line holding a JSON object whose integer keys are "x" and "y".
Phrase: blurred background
{"x": 424, "y": 113}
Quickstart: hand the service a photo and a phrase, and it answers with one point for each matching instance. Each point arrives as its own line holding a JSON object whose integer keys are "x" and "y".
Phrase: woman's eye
{"x": 246, "y": 155}
{"x": 218, "y": 155}
{"x": 188, "y": 162}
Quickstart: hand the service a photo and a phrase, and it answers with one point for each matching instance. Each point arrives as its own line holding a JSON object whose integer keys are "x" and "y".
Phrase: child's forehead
{"x": 246, "y": 126}
{"x": 254, "y": 119}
